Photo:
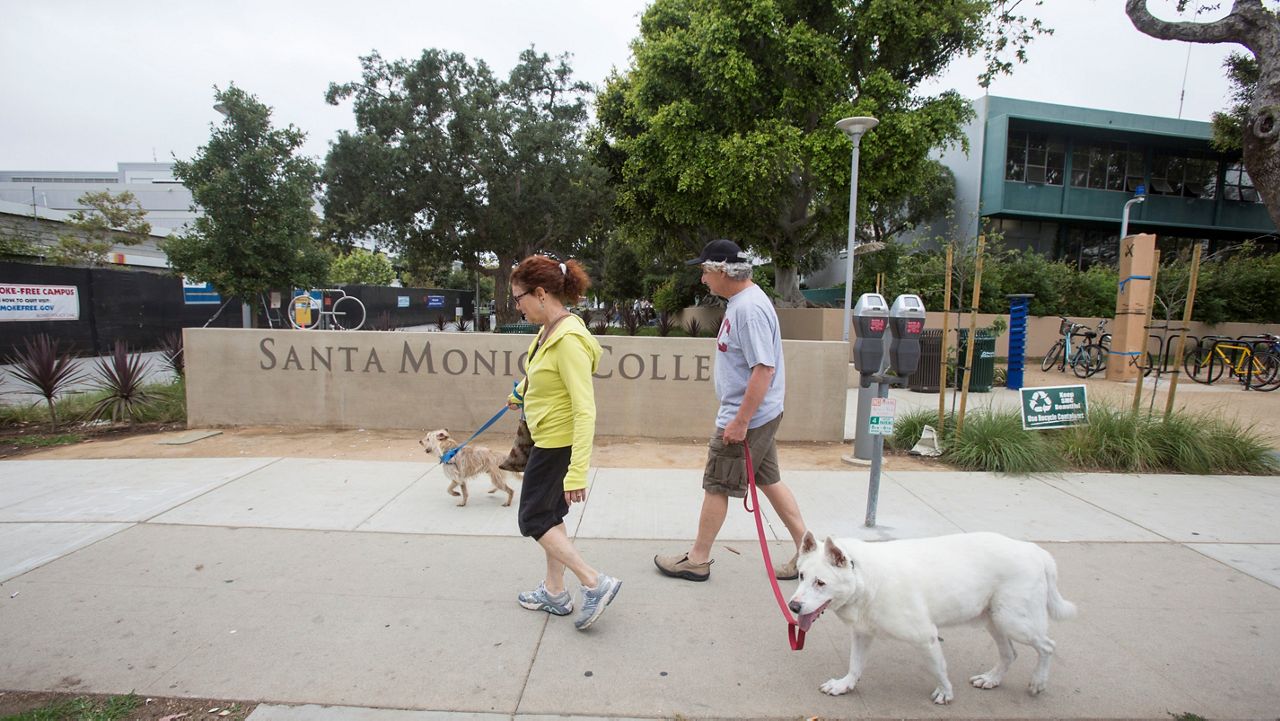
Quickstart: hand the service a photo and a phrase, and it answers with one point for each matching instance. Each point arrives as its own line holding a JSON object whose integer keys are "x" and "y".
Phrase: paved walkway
{"x": 360, "y": 584}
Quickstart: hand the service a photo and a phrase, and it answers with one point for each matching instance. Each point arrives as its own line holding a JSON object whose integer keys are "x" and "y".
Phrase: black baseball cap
{"x": 719, "y": 251}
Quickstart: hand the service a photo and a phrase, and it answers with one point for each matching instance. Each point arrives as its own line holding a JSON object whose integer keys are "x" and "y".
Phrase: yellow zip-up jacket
{"x": 560, "y": 401}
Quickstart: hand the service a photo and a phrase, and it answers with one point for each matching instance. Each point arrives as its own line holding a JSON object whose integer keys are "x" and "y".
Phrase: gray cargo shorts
{"x": 726, "y": 471}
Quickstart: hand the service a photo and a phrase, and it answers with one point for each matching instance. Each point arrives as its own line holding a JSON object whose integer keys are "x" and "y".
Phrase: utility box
{"x": 870, "y": 321}
{"x": 906, "y": 324}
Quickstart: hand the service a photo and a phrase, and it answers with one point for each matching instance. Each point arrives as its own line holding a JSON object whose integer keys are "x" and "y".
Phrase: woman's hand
{"x": 576, "y": 496}
{"x": 513, "y": 406}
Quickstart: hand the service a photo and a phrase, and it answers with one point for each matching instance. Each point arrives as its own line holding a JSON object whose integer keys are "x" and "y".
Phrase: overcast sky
{"x": 89, "y": 84}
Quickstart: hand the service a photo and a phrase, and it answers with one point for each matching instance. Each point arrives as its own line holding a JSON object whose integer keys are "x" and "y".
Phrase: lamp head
{"x": 856, "y": 126}
{"x": 222, "y": 108}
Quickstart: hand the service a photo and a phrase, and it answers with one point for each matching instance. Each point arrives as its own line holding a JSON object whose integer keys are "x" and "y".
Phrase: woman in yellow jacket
{"x": 560, "y": 408}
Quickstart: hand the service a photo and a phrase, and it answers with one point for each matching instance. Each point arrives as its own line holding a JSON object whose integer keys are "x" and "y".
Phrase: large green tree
{"x": 449, "y": 163}
{"x": 257, "y": 230}
{"x": 724, "y": 123}
{"x": 1256, "y": 26}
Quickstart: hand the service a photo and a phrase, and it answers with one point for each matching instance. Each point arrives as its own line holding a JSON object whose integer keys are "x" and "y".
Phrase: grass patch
{"x": 46, "y": 441}
{"x": 994, "y": 441}
{"x": 168, "y": 404}
{"x": 1115, "y": 440}
{"x": 81, "y": 708}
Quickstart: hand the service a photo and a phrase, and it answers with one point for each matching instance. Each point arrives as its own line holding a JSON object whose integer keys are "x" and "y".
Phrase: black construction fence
{"x": 142, "y": 307}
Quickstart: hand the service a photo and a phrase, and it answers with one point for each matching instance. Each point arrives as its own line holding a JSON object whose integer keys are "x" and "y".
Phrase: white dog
{"x": 470, "y": 461}
{"x": 907, "y": 589}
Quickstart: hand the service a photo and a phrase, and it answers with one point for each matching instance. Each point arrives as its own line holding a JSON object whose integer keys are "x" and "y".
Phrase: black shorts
{"x": 542, "y": 503}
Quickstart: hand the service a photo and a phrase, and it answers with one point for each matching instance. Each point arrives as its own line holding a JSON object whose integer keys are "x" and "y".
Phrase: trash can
{"x": 984, "y": 360}
{"x": 925, "y": 379}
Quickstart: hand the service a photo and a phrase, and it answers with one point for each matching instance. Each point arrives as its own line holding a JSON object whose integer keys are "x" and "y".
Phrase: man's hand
{"x": 736, "y": 431}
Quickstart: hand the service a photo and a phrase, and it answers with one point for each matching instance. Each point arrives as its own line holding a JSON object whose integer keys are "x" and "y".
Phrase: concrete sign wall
{"x": 645, "y": 387}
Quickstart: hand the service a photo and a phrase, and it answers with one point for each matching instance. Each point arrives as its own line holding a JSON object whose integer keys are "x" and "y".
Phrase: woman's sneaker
{"x": 539, "y": 600}
{"x": 595, "y": 600}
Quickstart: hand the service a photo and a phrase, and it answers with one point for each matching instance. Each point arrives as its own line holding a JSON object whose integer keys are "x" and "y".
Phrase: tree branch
{"x": 1237, "y": 27}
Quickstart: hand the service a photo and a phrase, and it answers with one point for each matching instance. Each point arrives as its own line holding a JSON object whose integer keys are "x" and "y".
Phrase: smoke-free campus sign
{"x": 20, "y": 302}
{"x": 1054, "y": 407}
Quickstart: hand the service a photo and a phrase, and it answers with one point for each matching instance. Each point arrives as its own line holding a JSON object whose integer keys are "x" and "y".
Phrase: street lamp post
{"x": 854, "y": 128}
{"x": 1140, "y": 195}
{"x": 246, "y": 314}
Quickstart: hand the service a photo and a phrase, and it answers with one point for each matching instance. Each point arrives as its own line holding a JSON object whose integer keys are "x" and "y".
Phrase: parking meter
{"x": 906, "y": 324}
{"x": 870, "y": 320}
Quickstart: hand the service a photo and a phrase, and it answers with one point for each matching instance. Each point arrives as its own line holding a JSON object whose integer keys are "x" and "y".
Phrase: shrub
{"x": 119, "y": 379}
{"x": 995, "y": 441}
{"x": 666, "y": 323}
{"x": 171, "y": 353}
{"x": 42, "y": 366}
{"x": 692, "y": 327}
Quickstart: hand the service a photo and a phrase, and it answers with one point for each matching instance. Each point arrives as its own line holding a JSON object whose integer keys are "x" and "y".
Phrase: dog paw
{"x": 942, "y": 696}
{"x": 1035, "y": 687}
{"x": 838, "y": 686}
{"x": 454, "y": 493}
{"x": 986, "y": 681}
{"x": 460, "y": 505}
{"x": 508, "y": 503}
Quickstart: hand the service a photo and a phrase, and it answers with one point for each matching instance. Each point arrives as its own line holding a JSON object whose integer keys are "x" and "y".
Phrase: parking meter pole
{"x": 870, "y": 322}
{"x": 877, "y": 456}
{"x": 906, "y": 325}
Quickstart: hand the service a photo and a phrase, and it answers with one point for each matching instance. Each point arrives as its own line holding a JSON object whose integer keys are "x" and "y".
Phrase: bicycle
{"x": 345, "y": 312}
{"x": 1085, "y": 359}
{"x": 1253, "y": 361}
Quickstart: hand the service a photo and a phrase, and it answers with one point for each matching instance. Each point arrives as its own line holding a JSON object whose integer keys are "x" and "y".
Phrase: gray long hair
{"x": 734, "y": 271}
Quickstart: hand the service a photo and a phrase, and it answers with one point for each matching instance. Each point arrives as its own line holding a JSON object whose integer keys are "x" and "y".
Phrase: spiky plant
{"x": 44, "y": 367}
{"x": 171, "y": 353}
{"x": 119, "y": 380}
{"x": 631, "y": 320}
{"x": 442, "y": 323}
{"x": 692, "y": 327}
{"x": 463, "y": 325}
{"x": 666, "y": 324}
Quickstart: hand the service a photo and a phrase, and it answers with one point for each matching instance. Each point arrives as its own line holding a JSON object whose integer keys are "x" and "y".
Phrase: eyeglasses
{"x": 516, "y": 298}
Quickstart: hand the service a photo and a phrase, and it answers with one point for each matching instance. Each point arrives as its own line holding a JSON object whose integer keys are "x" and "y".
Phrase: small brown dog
{"x": 467, "y": 463}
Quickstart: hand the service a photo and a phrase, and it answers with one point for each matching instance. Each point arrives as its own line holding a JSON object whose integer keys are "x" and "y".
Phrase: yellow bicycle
{"x": 1254, "y": 364}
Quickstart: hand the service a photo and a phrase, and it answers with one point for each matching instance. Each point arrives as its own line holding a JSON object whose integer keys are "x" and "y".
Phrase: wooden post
{"x": 1182, "y": 333}
{"x": 1151, "y": 304}
{"x": 973, "y": 334}
{"x": 946, "y": 344}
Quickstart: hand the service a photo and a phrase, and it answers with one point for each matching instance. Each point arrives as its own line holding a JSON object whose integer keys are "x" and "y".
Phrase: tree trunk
{"x": 505, "y": 309}
{"x": 786, "y": 282}
{"x": 1249, "y": 24}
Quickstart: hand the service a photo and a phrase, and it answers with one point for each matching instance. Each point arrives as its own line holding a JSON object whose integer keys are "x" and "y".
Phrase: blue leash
{"x": 449, "y": 454}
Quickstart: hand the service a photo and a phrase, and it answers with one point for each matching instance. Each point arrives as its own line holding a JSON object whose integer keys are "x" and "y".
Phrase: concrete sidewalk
{"x": 360, "y": 584}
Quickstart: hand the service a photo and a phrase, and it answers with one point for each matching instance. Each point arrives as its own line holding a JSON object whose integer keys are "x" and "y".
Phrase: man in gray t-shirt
{"x": 750, "y": 384}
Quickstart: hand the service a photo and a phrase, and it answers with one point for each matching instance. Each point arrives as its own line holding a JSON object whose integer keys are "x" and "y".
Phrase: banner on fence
{"x": 39, "y": 302}
{"x": 196, "y": 293}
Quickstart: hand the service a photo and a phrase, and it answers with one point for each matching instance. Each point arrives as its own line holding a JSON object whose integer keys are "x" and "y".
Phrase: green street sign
{"x": 1054, "y": 407}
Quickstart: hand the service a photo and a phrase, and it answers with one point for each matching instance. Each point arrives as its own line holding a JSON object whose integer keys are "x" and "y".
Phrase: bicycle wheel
{"x": 304, "y": 312}
{"x": 1199, "y": 364}
{"x": 348, "y": 313}
{"x": 1051, "y": 357}
{"x": 1087, "y": 361}
{"x": 1266, "y": 372}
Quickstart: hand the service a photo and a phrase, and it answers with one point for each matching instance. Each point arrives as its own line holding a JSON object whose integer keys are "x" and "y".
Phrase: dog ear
{"x": 834, "y": 554}
{"x": 808, "y": 543}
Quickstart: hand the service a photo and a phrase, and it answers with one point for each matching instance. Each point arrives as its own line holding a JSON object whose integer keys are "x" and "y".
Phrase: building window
{"x": 1034, "y": 158}
{"x": 1107, "y": 166}
{"x": 1186, "y": 176}
{"x": 1237, "y": 185}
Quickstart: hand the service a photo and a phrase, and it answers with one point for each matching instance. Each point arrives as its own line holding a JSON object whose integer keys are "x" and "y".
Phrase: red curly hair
{"x": 566, "y": 281}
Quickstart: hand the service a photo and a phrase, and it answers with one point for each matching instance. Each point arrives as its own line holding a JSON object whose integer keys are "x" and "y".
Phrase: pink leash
{"x": 794, "y": 633}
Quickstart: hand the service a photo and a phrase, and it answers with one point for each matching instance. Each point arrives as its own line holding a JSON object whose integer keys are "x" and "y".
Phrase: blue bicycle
{"x": 1085, "y": 358}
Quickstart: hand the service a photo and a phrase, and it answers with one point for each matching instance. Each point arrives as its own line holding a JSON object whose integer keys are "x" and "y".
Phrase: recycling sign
{"x": 1054, "y": 407}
